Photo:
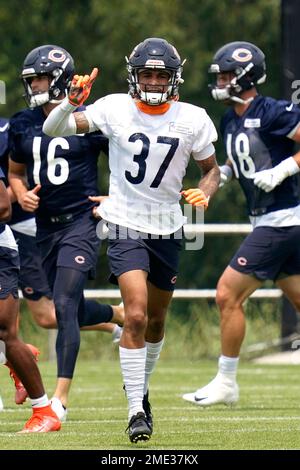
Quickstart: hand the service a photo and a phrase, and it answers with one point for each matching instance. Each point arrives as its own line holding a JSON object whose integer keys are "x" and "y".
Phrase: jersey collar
{"x": 147, "y": 109}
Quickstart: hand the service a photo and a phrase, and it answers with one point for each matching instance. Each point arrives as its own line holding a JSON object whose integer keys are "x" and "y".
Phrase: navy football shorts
{"x": 269, "y": 253}
{"x": 72, "y": 245}
{"x": 159, "y": 257}
{"x": 9, "y": 272}
{"x": 32, "y": 278}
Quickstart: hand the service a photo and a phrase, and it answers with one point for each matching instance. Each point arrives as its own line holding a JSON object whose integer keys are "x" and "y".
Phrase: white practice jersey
{"x": 7, "y": 240}
{"x": 148, "y": 157}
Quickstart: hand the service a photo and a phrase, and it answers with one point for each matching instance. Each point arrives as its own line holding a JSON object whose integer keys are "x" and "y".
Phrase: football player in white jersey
{"x": 152, "y": 136}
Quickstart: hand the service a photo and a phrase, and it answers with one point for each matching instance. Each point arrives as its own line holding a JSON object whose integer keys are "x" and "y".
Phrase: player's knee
{"x": 43, "y": 313}
{"x": 155, "y": 325}
{"x": 5, "y": 333}
{"x": 62, "y": 305}
{"x": 136, "y": 320}
{"x": 224, "y": 297}
{"x": 46, "y": 322}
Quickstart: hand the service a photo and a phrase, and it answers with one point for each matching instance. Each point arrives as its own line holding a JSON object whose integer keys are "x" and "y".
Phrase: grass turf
{"x": 266, "y": 417}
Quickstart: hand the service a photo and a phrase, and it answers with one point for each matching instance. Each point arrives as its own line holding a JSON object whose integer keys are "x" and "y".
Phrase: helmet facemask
{"x": 34, "y": 99}
{"x": 154, "y": 54}
{"x": 54, "y": 63}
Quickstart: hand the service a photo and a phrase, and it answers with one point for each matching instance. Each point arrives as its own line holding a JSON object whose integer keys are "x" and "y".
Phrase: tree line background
{"x": 102, "y": 32}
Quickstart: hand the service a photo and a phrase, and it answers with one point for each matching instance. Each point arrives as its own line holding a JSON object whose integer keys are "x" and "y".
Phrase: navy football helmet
{"x": 154, "y": 53}
{"x": 53, "y": 61}
{"x": 246, "y": 61}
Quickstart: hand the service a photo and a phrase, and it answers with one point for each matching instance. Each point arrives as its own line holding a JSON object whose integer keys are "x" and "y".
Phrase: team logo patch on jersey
{"x": 252, "y": 122}
{"x": 173, "y": 280}
{"x": 57, "y": 55}
{"x": 80, "y": 259}
{"x": 242, "y": 261}
{"x": 242, "y": 54}
{"x": 28, "y": 290}
{"x": 181, "y": 128}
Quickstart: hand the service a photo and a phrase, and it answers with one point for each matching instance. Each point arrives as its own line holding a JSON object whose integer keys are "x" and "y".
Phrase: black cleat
{"x": 147, "y": 410}
{"x": 138, "y": 428}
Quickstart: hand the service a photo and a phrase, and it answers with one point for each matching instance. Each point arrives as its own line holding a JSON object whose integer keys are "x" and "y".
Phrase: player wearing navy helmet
{"x": 54, "y": 178}
{"x": 259, "y": 134}
{"x": 152, "y": 136}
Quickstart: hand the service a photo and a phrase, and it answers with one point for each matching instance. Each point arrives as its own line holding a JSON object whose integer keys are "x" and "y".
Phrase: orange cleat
{"x": 21, "y": 392}
{"x": 42, "y": 420}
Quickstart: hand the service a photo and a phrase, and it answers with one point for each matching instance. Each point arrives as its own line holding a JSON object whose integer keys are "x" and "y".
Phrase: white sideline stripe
{"x": 64, "y": 431}
{"x": 188, "y": 419}
{"x": 167, "y": 392}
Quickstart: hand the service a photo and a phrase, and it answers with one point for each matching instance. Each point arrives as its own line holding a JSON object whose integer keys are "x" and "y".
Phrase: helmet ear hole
{"x": 56, "y": 92}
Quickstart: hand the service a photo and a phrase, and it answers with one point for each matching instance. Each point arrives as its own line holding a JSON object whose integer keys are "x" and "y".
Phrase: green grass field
{"x": 267, "y": 416}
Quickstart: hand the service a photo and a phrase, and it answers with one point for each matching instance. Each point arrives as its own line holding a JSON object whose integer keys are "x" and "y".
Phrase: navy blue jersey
{"x": 4, "y": 124}
{"x": 18, "y": 214}
{"x": 66, "y": 167}
{"x": 258, "y": 140}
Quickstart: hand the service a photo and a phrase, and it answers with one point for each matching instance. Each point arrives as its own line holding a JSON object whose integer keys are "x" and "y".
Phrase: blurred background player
{"x": 259, "y": 134}
{"x": 32, "y": 279}
{"x": 152, "y": 136}
{"x": 53, "y": 178}
{"x": 20, "y": 358}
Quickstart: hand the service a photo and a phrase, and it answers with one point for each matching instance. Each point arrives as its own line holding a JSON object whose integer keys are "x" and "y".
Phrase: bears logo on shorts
{"x": 242, "y": 261}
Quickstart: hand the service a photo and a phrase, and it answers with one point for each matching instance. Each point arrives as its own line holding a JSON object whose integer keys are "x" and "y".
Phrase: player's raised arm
{"x": 62, "y": 121}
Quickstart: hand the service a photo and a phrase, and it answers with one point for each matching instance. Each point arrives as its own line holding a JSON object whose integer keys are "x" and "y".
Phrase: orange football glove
{"x": 196, "y": 197}
{"x": 81, "y": 87}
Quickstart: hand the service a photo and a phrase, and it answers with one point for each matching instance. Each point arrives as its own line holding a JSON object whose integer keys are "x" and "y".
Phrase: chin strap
{"x": 56, "y": 101}
{"x": 236, "y": 99}
{"x": 41, "y": 99}
{"x": 155, "y": 109}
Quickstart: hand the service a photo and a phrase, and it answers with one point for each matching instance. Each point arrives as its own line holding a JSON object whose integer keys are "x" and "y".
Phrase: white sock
{"x": 133, "y": 370}
{"x": 39, "y": 402}
{"x": 153, "y": 352}
{"x": 228, "y": 366}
